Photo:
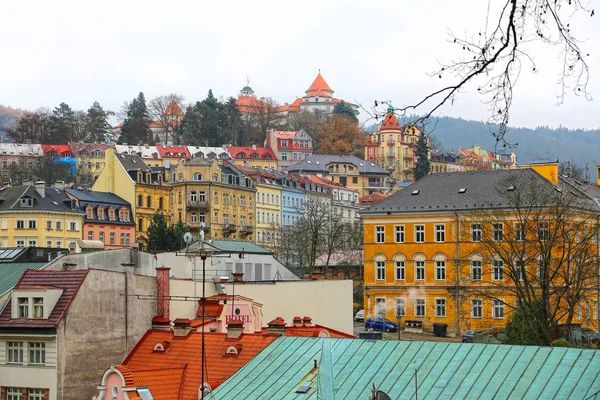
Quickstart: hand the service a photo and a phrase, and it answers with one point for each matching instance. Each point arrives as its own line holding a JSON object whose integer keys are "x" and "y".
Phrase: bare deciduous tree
{"x": 160, "y": 110}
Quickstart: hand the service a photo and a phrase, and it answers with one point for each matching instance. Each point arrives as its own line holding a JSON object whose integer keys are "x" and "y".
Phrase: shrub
{"x": 560, "y": 343}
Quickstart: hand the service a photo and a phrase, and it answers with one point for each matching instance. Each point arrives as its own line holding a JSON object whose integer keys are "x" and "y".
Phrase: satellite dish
{"x": 188, "y": 238}
{"x": 381, "y": 395}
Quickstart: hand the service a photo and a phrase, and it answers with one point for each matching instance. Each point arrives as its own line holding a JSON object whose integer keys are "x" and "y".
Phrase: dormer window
{"x": 111, "y": 214}
{"x": 89, "y": 212}
{"x": 97, "y": 153}
{"x": 27, "y": 202}
{"x": 100, "y": 212}
{"x": 23, "y": 307}
{"x": 38, "y": 307}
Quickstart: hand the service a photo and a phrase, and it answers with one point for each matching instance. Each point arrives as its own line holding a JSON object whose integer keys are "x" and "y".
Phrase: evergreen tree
{"x": 232, "y": 123}
{"x": 190, "y": 126}
{"x": 423, "y": 166}
{"x": 212, "y": 117}
{"x": 345, "y": 110}
{"x": 97, "y": 124}
{"x": 162, "y": 237}
{"x": 135, "y": 128}
{"x": 62, "y": 122}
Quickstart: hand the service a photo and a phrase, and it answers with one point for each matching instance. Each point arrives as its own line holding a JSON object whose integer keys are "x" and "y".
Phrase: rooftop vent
{"x": 462, "y": 190}
{"x": 511, "y": 188}
{"x": 415, "y": 192}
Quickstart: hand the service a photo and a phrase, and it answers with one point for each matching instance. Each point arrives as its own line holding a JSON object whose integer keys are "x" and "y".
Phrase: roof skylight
{"x": 415, "y": 192}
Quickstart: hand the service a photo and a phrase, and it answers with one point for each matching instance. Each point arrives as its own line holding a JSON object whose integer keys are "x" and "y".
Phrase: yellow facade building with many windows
{"x": 444, "y": 251}
{"x": 38, "y": 216}
{"x": 212, "y": 195}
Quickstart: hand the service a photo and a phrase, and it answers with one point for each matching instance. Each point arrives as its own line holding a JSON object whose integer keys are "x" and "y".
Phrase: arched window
{"x": 399, "y": 267}
{"x": 379, "y": 267}
{"x": 440, "y": 266}
{"x": 140, "y": 201}
{"x": 215, "y": 177}
{"x": 476, "y": 261}
{"x": 148, "y": 201}
{"x": 83, "y": 152}
{"x": 180, "y": 177}
{"x": 197, "y": 176}
{"x": 419, "y": 260}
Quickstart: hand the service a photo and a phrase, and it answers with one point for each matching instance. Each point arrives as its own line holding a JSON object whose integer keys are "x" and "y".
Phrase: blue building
{"x": 292, "y": 199}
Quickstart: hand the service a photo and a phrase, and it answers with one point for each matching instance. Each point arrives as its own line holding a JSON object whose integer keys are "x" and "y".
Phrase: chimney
{"x": 182, "y": 326}
{"x": 238, "y": 276}
{"x": 306, "y": 321}
{"x": 598, "y": 175}
{"x": 317, "y": 276}
{"x": 254, "y": 147}
{"x": 26, "y": 181}
{"x": 277, "y": 326}
{"x": 67, "y": 266}
{"x": 60, "y": 185}
{"x": 235, "y": 328}
{"x": 297, "y": 322}
{"x": 163, "y": 292}
{"x": 40, "y": 188}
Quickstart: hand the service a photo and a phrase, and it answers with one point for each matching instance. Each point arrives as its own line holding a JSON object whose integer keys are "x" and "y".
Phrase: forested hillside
{"x": 8, "y": 118}
{"x": 582, "y": 146}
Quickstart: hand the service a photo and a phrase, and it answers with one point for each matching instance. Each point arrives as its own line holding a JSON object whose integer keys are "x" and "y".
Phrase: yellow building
{"x": 439, "y": 251}
{"x": 212, "y": 194}
{"x": 90, "y": 158}
{"x": 252, "y": 156}
{"x": 36, "y": 215}
{"x": 268, "y": 204}
{"x": 393, "y": 147}
{"x": 363, "y": 176}
{"x": 145, "y": 188}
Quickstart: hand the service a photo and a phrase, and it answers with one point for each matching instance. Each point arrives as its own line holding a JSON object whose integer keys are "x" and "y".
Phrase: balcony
{"x": 391, "y": 155}
{"x": 391, "y": 143}
{"x": 340, "y": 171}
{"x": 228, "y": 228}
{"x": 377, "y": 185}
{"x": 199, "y": 205}
{"x": 194, "y": 226}
{"x": 246, "y": 229}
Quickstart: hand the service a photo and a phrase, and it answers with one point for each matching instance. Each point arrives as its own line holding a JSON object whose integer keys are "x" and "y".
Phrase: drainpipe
{"x": 457, "y": 268}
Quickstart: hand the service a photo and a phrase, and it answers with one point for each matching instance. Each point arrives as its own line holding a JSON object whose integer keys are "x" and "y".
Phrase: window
{"x": 475, "y": 270}
{"x": 72, "y": 226}
{"x": 497, "y": 270}
{"x": 194, "y": 217}
{"x": 420, "y": 233}
{"x": 519, "y": 232}
{"x": 111, "y": 214}
{"x": 477, "y": 308}
{"x": 127, "y": 239}
{"x": 59, "y": 244}
{"x": 399, "y": 233}
{"x": 400, "y": 307}
{"x": 197, "y": 176}
{"x": 20, "y": 243}
{"x": 100, "y": 212}
{"x": 14, "y": 394}
{"x": 122, "y": 237}
{"x": 440, "y": 270}
{"x": 420, "y": 270}
{"x": 101, "y": 237}
{"x": 148, "y": 201}
{"x": 520, "y": 269}
{"x": 49, "y": 224}
{"x": 32, "y": 243}
{"x": 380, "y": 270}
{"x": 193, "y": 195}
{"x": 38, "y": 307}
{"x": 48, "y": 243}
{"x": 140, "y": 201}
{"x": 497, "y": 232}
{"x": 20, "y": 224}
{"x": 419, "y": 307}
{"x": 543, "y": 231}
{"x": 15, "y": 352}
{"x": 498, "y": 309}
{"x": 400, "y": 271}
{"x": 90, "y": 235}
{"x": 112, "y": 238}
{"x": 23, "y": 307}
{"x": 59, "y": 225}
{"x": 37, "y": 353}
{"x": 476, "y": 232}
{"x": 379, "y": 234}
{"x": 440, "y": 308}
{"x": 27, "y": 202}
{"x": 380, "y": 307}
{"x": 36, "y": 394}
{"x": 440, "y": 233}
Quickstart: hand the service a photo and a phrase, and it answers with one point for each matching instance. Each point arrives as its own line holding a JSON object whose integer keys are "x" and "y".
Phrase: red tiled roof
{"x": 262, "y": 152}
{"x": 89, "y": 147}
{"x": 285, "y": 134}
{"x": 319, "y": 84}
{"x": 185, "y": 353}
{"x": 174, "y": 109}
{"x": 212, "y": 308}
{"x": 314, "y": 331}
{"x": 155, "y": 124}
{"x": 315, "y": 93}
{"x": 166, "y": 151}
{"x": 59, "y": 149}
{"x": 250, "y": 104}
{"x": 295, "y": 106}
{"x": 371, "y": 198}
{"x": 68, "y": 281}
{"x": 390, "y": 122}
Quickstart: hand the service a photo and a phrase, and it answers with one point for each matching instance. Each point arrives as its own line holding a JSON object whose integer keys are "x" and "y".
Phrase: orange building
{"x": 107, "y": 218}
{"x": 428, "y": 250}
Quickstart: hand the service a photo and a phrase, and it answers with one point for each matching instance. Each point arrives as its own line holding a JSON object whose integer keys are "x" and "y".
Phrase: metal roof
{"x": 319, "y": 163}
{"x": 234, "y": 246}
{"x": 444, "y": 371}
{"x": 11, "y": 272}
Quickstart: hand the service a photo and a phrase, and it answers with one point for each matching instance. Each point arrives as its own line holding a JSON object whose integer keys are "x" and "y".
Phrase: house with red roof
{"x": 290, "y": 147}
{"x": 57, "y": 150}
{"x": 253, "y": 156}
{"x": 174, "y": 153}
{"x": 476, "y": 158}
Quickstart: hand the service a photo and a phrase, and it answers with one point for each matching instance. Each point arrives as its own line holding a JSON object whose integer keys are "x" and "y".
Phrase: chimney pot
{"x": 306, "y": 321}
{"x": 238, "y": 276}
{"x": 317, "y": 276}
{"x": 182, "y": 326}
{"x": 40, "y": 188}
{"x": 235, "y": 328}
{"x": 297, "y": 321}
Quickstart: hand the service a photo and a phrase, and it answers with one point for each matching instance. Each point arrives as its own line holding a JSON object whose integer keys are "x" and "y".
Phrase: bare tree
{"x": 264, "y": 114}
{"x": 163, "y": 109}
{"x": 493, "y": 58}
{"x": 541, "y": 249}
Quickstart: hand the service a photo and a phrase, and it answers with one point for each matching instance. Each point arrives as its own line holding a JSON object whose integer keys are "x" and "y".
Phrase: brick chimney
{"x": 277, "y": 326}
{"x": 238, "y": 276}
{"x": 297, "y": 322}
{"x": 182, "y": 326}
{"x": 235, "y": 328}
{"x": 163, "y": 292}
{"x": 317, "y": 276}
{"x": 306, "y": 321}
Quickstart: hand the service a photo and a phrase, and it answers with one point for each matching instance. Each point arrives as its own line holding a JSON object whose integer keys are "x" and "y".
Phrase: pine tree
{"x": 61, "y": 124}
{"x": 423, "y": 166}
{"x": 97, "y": 125}
{"x": 345, "y": 110}
{"x": 135, "y": 128}
{"x": 163, "y": 237}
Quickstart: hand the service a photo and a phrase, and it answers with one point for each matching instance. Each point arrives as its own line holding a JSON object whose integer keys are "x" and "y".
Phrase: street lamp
{"x": 399, "y": 314}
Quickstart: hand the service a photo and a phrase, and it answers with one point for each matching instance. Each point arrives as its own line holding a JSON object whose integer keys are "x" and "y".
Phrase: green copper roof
{"x": 444, "y": 371}
{"x": 234, "y": 246}
{"x": 11, "y": 272}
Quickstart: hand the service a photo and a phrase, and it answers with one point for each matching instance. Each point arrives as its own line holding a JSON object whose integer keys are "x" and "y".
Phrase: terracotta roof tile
{"x": 315, "y": 93}
{"x": 59, "y": 149}
{"x": 174, "y": 109}
{"x": 319, "y": 84}
{"x": 264, "y": 153}
{"x": 68, "y": 281}
{"x": 166, "y": 151}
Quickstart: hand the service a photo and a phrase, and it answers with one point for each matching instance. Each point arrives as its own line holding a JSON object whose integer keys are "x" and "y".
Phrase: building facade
{"x": 108, "y": 218}
{"x": 252, "y": 156}
{"x": 90, "y": 158}
{"x": 290, "y": 147}
{"x": 36, "y": 215}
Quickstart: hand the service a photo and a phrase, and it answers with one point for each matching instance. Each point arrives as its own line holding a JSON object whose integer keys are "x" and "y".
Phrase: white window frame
{"x": 440, "y": 304}
{"x": 380, "y": 234}
{"x": 520, "y": 270}
{"x": 380, "y": 270}
{"x": 419, "y": 267}
{"x": 476, "y": 307}
{"x": 498, "y": 234}
{"x": 498, "y": 305}
{"x": 400, "y": 304}
{"x": 476, "y": 233}
{"x": 399, "y": 233}
{"x": 440, "y": 267}
{"x": 418, "y": 300}
{"x": 37, "y": 353}
{"x": 519, "y": 231}
{"x": 400, "y": 270}
{"x": 378, "y": 313}
{"x": 15, "y": 348}
{"x": 476, "y": 265}
{"x": 440, "y": 233}
{"x": 497, "y": 265}
{"x": 419, "y": 233}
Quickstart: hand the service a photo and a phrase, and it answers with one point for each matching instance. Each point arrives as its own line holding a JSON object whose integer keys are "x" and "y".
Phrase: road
{"x": 360, "y": 327}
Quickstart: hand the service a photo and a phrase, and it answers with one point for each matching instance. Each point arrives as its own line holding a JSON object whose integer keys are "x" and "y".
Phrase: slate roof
{"x": 318, "y": 163}
{"x": 440, "y": 192}
{"x": 97, "y": 197}
{"x": 69, "y": 281}
{"x": 54, "y": 200}
{"x": 347, "y": 369}
{"x": 185, "y": 352}
{"x": 132, "y": 162}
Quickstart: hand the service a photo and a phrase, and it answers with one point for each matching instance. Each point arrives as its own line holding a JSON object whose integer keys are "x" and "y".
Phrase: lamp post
{"x": 399, "y": 314}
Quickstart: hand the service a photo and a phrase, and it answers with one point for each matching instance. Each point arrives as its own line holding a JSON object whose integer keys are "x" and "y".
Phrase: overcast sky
{"x": 80, "y": 51}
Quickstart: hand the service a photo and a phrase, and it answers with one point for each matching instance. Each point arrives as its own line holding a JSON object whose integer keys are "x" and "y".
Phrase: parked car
{"x": 381, "y": 324}
{"x": 360, "y": 315}
{"x": 467, "y": 337}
